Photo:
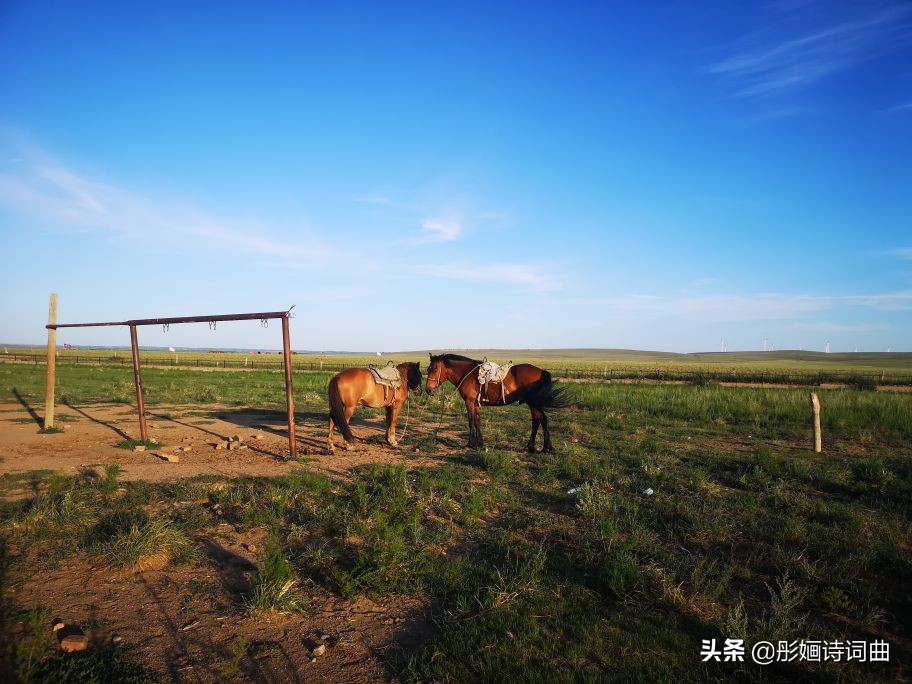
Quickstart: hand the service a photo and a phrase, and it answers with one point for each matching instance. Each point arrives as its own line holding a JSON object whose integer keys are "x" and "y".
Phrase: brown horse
{"x": 524, "y": 383}
{"x": 355, "y": 386}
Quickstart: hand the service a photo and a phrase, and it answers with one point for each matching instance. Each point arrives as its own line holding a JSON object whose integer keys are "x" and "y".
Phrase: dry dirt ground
{"x": 184, "y": 621}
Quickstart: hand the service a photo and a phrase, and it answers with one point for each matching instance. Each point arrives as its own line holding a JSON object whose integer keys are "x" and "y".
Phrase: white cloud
{"x": 45, "y": 189}
{"x": 757, "y": 307}
{"x": 776, "y": 65}
{"x": 439, "y": 230}
{"x": 525, "y": 276}
{"x": 904, "y": 253}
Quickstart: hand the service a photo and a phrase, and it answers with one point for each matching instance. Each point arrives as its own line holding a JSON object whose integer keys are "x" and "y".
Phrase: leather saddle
{"x": 489, "y": 372}
{"x": 388, "y": 376}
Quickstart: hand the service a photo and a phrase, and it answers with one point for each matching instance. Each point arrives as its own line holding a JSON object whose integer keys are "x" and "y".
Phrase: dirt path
{"x": 91, "y": 434}
{"x": 185, "y": 622}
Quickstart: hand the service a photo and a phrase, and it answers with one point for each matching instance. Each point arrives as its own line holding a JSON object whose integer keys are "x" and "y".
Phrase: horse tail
{"x": 337, "y": 410}
{"x": 546, "y": 393}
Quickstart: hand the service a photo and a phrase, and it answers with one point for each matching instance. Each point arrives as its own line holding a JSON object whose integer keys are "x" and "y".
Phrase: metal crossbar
{"x": 263, "y": 317}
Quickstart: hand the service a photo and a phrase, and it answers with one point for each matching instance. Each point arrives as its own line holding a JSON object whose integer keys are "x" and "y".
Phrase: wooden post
{"x": 137, "y": 376}
{"x": 51, "y": 365}
{"x": 815, "y": 408}
{"x": 289, "y": 390}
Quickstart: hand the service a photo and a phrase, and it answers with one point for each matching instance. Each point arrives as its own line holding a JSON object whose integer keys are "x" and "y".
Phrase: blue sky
{"x": 453, "y": 175}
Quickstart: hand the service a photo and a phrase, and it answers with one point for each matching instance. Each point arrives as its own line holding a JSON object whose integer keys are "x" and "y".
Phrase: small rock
{"x": 116, "y": 639}
{"x": 171, "y": 458}
{"x": 320, "y": 650}
{"x": 154, "y": 441}
{"x": 232, "y": 446}
{"x": 648, "y": 492}
{"x": 257, "y": 436}
{"x": 243, "y": 446}
{"x": 251, "y": 548}
{"x": 324, "y": 637}
{"x": 57, "y": 624}
{"x": 74, "y": 642}
{"x": 185, "y": 449}
{"x": 219, "y": 446}
{"x": 139, "y": 447}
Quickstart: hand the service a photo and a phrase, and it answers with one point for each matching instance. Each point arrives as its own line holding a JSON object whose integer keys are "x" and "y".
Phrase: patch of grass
{"x": 36, "y": 659}
{"x": 130, "y": 444}
{"x": 35, "y": 646}
{"x": 275, "y": 587}
{"x": 147, "y": 543}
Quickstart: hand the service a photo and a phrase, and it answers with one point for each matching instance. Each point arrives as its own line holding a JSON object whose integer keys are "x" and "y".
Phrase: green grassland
{"x": 733, "y": 364}
{"x": 547, "y": 567}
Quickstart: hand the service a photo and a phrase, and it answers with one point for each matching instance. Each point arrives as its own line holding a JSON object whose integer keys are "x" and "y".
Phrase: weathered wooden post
{"x": 815, "y": 409}
{"x": 289, "y": 388}
{"x": 137, "y": 376}
{"x": 51, "y": 365}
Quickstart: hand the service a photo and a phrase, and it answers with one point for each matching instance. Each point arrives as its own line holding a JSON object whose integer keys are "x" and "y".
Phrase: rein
{"x": 440, "y": 372}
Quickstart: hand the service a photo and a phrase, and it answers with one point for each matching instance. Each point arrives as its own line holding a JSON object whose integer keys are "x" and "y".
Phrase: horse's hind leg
{"x": 349, "y": 412}
{"x": 332, "y": 426}
{"x": 548, "y": 447}
{"x": 538, "y": 416}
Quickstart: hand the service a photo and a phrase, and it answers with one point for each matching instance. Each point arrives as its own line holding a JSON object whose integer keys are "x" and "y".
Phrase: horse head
{"x": 436, "y": 374}
{"x": 413, "y": 376}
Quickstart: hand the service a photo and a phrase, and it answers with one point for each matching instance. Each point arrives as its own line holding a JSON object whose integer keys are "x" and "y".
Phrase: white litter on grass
{"x": 648, "y": 492}
{"x": 573, "y": 491}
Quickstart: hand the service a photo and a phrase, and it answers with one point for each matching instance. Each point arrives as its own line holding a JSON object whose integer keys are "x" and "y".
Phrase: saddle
{"x": 388, "y": 376}
{"x": 489, "y": 372}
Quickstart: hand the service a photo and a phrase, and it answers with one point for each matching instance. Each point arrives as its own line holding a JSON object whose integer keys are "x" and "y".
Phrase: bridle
{"x": 440, "y": 373}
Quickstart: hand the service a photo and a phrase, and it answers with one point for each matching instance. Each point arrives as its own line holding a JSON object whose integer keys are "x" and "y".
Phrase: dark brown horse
{"x": 524, "y": 383}
{"x": 355, "y": 386}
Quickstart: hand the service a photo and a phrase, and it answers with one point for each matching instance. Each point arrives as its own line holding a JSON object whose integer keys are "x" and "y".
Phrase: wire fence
{"x": 856, "y": 378}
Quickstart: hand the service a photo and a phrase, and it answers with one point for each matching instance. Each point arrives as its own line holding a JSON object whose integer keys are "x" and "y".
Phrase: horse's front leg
{"x": 474, "y": 424}
{"x": 392, "y": 415}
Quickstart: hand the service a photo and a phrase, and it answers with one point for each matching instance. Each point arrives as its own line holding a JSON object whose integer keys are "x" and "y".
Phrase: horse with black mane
{"x": 523, "y": 383}
{"x": 355, "y": 386}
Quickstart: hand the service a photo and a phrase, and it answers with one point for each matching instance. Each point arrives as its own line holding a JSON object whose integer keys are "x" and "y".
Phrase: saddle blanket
{"x": 386, "y": 375}
{"x": 492, "y": 372}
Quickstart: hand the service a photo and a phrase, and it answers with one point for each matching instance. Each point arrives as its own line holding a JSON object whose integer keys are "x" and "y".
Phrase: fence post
{"x": 51, "y": 365}
{"x": 815, "y": 410}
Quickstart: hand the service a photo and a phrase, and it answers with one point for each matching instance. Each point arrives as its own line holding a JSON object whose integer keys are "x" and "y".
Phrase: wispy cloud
{"x": 905, "y": 107}
{"x": 756, "y": 307}
{"x": 904, "y": 253}
{"x": 524, "y": 276}
{"x": 436, "y": 220}
{"x": 438, "y": 230}
{"x": 48, "y": 191}
{"x": 817, "y": 48}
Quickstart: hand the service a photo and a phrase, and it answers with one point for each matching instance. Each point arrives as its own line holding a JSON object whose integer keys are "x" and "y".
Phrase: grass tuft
{"x": 275, "y": 587}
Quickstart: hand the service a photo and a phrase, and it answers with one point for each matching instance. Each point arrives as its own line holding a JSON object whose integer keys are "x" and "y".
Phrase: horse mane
{"x": 457, "y": 357}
